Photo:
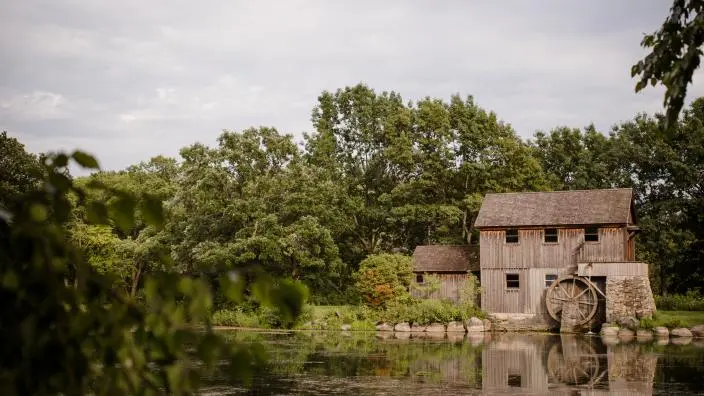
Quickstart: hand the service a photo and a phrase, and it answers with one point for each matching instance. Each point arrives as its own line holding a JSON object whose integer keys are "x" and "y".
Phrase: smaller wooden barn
{"x": 451, "y": 264}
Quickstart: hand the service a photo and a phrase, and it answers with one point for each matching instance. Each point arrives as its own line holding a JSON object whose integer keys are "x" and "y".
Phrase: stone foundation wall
{"x": 521, "y": 322}
{"x": 628, "y": 296}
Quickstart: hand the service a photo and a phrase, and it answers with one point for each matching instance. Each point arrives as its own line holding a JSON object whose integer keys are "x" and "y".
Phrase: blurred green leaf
{"x": 38, "y": 212}
{"x": 85, "y": 160}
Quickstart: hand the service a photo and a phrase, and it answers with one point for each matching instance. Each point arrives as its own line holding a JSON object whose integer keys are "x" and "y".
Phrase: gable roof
{"x": 578, "y": 207}
{"x": 446, "y": 258}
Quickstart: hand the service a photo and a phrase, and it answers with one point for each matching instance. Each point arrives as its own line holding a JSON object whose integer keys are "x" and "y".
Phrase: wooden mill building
{"x": 540, "y": 249}
{"x": 528, "y": 241}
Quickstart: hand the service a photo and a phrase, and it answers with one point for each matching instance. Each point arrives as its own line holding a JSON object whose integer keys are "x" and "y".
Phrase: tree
{"x": 20, "y": 171}
{"x": 675, "y": 55}
{"x": 383, "y": 278}
{"x": 127, "y": 253}
{"x": 573, "y": 159}
{"x": 252, "y": 203}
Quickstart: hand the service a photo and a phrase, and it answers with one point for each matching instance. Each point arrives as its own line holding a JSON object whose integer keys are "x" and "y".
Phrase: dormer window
{"x": 551, "y": 235}
{"x": 591, "y": 234}
{"x": 511, "y": 236}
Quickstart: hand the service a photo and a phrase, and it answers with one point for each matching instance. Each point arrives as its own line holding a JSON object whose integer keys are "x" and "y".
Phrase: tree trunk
{"x": 135, "y": 280}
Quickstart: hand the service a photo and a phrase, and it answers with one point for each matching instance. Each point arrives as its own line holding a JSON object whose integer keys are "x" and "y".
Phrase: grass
{"x": 672, "y": 319}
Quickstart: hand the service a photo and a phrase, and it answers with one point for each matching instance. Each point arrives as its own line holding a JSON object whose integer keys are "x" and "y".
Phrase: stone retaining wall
{"x": 522, "y": 322}
{"x": 628, "y": 296}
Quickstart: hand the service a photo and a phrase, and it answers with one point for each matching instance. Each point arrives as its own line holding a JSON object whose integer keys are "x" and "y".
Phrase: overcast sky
{"x": 132, "y": 79}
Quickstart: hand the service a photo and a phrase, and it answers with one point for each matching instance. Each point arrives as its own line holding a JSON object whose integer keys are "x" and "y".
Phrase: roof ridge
{"x": 563, "y": 191}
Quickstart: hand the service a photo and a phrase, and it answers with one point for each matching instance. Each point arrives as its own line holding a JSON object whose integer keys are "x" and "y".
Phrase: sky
{"x": 130, "y": 80}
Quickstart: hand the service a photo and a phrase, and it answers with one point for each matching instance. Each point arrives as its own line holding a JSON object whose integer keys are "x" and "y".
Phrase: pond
{"x": 498, "y": 363}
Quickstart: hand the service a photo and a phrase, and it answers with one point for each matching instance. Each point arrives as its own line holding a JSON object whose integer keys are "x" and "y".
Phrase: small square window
{"x": 549, "y": 279}
{"x": 512, "y": 281}
{"x": 551, "y": 235}
{"x": 591, "y": 234}
{"x": 419, "y": 278}
{"x": 511, "y": 236}
{"x": 514, "y": 381}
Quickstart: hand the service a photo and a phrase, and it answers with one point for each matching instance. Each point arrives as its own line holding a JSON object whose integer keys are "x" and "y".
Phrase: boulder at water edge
{"x": 435, "y": 328}
{"x": 661, "y": 331}
{"x": 487, "y": 324}
{"x": 681, "y": 332}
{"x": 609, "y": 331}
{"x": 475, "y": 325}
{"x": 629, "y": 322}
{"x": 455, "y": 327}
{"x": 698, "y": 331}
{"x": 346, "y": 327}
{"x": 384, "y": 327}
{"x": 625, "y": 334}
{"x": 644, "y": 335}
{"x": 681, "y": 340}
{"x": 402, "y": 327}
{"x": 416, "y": 328}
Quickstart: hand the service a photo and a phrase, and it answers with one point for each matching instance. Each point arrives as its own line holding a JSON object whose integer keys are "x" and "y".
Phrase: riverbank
{"x": 360, "y": 318}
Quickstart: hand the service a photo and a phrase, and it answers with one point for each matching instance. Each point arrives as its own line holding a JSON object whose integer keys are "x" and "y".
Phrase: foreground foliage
{"x": 67, "y": 330}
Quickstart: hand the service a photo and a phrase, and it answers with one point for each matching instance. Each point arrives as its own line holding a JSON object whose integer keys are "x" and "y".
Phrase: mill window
{"x": 419, "y": 278}
{"x": 549, "y": 279}
{"x": 591, "y": 234}
{"x": 514, "y": 380}
{"x": 512, "y": 281}
{"x": 511, "y": 236}
{"x": 551, "y": 235}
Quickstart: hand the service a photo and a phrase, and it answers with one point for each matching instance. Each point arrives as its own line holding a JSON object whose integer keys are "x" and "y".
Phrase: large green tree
{"x": 20, "y": 171}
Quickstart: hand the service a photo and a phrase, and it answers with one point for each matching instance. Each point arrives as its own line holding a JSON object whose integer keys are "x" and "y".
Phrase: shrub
{"x": 422, "y": 312}
{"x": 692, "y": 301}
{"x": 236, "y": 318}
{"x": 673, "y": 323}
{"x": 383, "y": 278}
{"x": 647, "y": 323}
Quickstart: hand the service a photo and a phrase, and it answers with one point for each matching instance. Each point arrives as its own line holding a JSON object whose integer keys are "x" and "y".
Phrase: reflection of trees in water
{"x": 536, "y": 364}
{"x": 680, "y": 368}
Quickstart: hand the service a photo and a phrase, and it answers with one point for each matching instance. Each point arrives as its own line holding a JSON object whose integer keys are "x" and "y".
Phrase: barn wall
{"x": 495, "y": 296}
{"x": 529, "y": 298}
{"x": 450, "y": 286}
{"x": 532, "y": 252}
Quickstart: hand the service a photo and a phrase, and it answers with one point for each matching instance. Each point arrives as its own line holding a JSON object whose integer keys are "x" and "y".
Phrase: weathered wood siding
{"x": 530, "y": 296}
{"x": 532, "y": 252}
{"x": 450, "y": 287}
{"x": 623, "y": 268}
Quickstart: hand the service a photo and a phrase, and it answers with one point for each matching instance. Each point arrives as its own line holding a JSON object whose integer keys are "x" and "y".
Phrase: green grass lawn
{"x": 685, "y": 318}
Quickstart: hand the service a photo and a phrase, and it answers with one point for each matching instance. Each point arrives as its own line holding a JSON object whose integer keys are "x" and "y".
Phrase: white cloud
{"x": 133, "y": 79}
{"x": 37, "y": 105}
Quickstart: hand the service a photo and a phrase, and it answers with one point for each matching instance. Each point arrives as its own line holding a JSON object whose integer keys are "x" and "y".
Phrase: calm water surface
{"x": 500, "y": 363}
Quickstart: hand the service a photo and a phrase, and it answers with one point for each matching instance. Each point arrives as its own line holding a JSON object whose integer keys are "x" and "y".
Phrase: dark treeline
{"x": 377, "y": 175}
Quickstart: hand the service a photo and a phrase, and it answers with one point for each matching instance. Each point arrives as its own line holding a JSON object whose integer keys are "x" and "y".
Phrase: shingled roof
{"x": 446, "y": 258}
{"x": 580, "y": 207}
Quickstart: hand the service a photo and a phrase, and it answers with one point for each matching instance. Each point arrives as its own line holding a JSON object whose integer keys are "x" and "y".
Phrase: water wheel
{"x": 572, "y": 289}
{"x": 573, "y": 363}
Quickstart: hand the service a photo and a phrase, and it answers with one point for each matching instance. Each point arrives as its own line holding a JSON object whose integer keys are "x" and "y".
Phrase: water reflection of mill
{"x": 565, "y": 364}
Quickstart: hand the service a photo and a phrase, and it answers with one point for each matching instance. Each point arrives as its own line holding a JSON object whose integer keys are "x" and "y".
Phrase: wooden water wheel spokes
{"x": 572, "y": 289}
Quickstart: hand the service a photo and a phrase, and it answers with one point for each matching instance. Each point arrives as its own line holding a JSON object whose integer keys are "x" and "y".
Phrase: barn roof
{"x": 579, "y": 207}
{"x": 446, "y": 258}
